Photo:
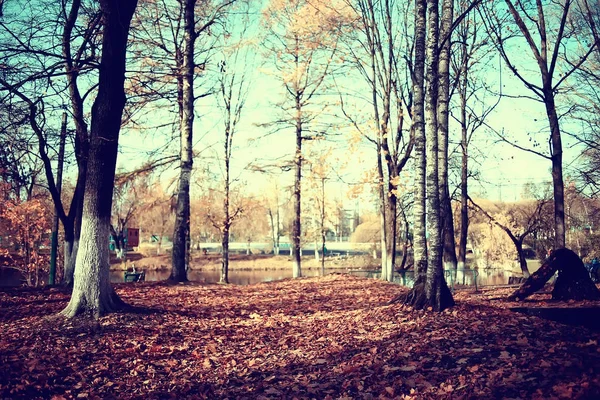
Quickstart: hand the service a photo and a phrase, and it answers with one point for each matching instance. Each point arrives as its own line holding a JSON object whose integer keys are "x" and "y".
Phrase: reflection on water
{"x": 235, "y": 277}
{"x": 467, "y": 277}
{"x": 464, "y": 277}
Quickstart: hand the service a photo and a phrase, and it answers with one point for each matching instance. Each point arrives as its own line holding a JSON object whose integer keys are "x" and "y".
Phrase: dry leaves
{"x": 325, "y": 338}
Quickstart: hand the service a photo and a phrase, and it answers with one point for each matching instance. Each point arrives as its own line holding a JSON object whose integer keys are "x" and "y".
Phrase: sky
{"x": 503, "y": 169}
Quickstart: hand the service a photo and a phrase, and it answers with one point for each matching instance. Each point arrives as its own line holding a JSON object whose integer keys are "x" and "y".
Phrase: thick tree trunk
{"x": 431, "y": 292}
{"x": 438, "y": 294}
{"x": 92, "y": 292}
{"x": 573, "y": 282}
{"x": 181, "y": 235}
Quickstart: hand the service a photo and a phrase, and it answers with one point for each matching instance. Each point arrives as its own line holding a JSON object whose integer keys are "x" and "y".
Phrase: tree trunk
{"x": 391, "y": 222}
{"x": 73, "y": 227}
{"x": 557, "y": 174}
{"x": 573, "y": 282}
{"x": 438, "y": 294}
{"x": 522, "y": 261}
{"x": 59, "y": 173}
{"x": 416, "y": 296}
{"x": 464, "y": 194}
{"x": 181, "y": 234}
{"x": 431, "y": 290}
{"x": 296, "y": 228}
{"x": 382, "y": 216}
{"x": 81, "y": 144}
{"x": 447, "y": 222}
{"x": 92, "y": 292}
{"x": 419, "y": 241}
{"x": 225, "y": 257}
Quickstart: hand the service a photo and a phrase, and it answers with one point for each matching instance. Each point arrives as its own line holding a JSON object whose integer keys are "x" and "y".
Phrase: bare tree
{"x": 92, "y": 292}
{"x": 380, "y": 48}
{"x": 55, "y": 69}
{"x": 302, "y": 53}
{"x": 550, "y": 22}
{"x": 233, "y": 81}
{"x": 470, "y": 58}
{"x": 430, "y": 289}
{"x": 528, "y": 217}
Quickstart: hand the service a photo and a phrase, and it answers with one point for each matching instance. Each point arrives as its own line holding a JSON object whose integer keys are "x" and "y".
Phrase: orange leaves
{"x": 332, "y": 337}
{"x": 25, "y": 229}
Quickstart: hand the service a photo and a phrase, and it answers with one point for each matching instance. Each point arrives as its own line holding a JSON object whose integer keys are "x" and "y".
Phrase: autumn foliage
{"x": 333, "y": 337}
{"x": 25, "y": 234}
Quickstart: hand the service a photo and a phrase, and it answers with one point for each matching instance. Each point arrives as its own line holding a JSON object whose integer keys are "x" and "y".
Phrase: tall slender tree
{"x": 430, "y": 289}
{"x": 181, "y": 233}
{"x": 380, "y": 48}
{"x": 302, "y": 38}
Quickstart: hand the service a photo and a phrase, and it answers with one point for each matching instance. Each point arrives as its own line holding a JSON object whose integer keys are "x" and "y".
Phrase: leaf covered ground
{"x": 334, "y": 337}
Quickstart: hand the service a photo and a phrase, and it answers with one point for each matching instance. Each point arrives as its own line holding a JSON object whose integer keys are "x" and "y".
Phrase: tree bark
{"x": 416, "y": 296}
{"x": 81, "y": 147}
{"x": 557, "y": 173}
{"x": 296, "y": 226}
{"x": 59, "y": 173}
{"x": 181, "y": 235}
{"x": 383, "y": 217}
{"x": 464, "y": 169}
{"x": 447, "y": 221}
{"x": 92, "y": 292}
{"x": 573, "y": 282}
{"x": 419, "y": 241}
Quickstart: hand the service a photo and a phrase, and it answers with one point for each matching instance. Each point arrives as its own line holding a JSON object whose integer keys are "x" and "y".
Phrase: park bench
{"x": 134, "y": 276}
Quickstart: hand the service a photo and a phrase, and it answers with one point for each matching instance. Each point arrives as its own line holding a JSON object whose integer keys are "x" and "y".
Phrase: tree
{"x": 380, "y": 48}
{"x": 52, "y": 80}
{"x": 92, "y": 292}
{"x": 320, "y": 170}
{"x": 302, "y": 39}
{"x": 25, "y": 225}
{"x": 550, "y": 22}
{"x": 183, "y": 36}
{"x": 155, "y": 216}
{"x": 272, "y": 201}
{"x": 430, "y": 289}
{"x": 469, "y": 59}
{"x": 233, "y": 84}
{"x": 521, "y": 220}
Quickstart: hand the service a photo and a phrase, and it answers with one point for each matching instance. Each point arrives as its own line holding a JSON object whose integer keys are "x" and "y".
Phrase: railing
{"x": 451, "y": 276}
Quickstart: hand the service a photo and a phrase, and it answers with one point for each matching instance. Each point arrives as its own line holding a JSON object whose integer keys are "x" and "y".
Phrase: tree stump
{"x": 573, "y": 282}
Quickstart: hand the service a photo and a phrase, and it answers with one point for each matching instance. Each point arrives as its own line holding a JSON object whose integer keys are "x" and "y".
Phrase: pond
{"x": 464, "y": 277}
{"x": 236, "y": 277}
{"x": 484, "y": 277}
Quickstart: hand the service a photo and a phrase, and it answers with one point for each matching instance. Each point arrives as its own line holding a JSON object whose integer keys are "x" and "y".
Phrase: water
{"x": 485, "y": 277}
{"x": 235, "y": 277}
{"x": 464, "y": 277}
